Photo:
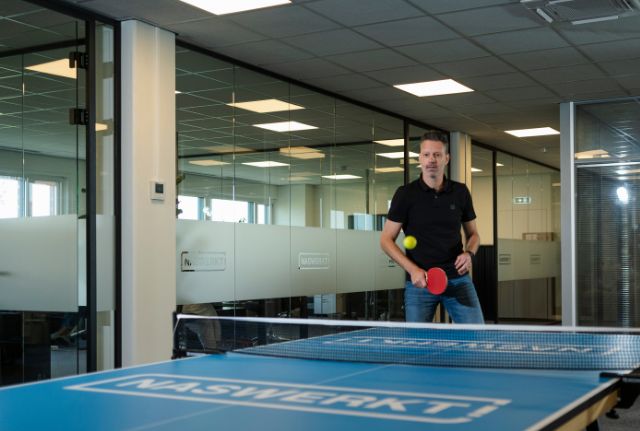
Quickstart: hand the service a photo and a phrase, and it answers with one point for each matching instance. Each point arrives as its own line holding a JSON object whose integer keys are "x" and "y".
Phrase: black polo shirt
{"x": 435, "y": 219}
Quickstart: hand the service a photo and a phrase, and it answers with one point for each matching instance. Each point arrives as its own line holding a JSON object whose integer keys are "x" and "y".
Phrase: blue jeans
{"x": 460, "y": 300}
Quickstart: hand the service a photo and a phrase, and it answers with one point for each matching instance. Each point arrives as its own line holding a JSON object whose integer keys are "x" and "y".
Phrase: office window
{"x": 43, "y": 198}
{"x": 188, "y": 208}
{"x": 229, "y": 211}
{"x": 9, "y": 197}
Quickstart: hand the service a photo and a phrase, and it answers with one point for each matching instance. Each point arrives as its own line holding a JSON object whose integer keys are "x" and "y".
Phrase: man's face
{"x": 433, "y": 159}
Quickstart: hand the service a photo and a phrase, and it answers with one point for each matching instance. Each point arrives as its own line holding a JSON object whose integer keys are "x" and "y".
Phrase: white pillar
{"x": 460, "y": 151}
{"x": 148, "y": 226}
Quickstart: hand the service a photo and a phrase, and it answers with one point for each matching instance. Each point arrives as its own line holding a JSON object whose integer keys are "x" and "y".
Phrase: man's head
{"x": 434, "y": 154}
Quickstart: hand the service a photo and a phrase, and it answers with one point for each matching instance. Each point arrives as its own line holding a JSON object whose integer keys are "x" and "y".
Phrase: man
{"x": 432, "y": 209}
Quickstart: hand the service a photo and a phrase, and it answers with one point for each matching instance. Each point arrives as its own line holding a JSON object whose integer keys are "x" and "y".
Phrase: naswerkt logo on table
{"x": 370, "y": 403}
{"x": 474, "y": 345}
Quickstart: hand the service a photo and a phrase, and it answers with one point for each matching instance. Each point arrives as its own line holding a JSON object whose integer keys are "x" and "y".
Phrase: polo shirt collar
{"x": 446, "y": 185}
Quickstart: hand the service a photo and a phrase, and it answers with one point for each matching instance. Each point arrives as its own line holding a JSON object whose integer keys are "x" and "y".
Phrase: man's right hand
{"x": 419, "y": 278}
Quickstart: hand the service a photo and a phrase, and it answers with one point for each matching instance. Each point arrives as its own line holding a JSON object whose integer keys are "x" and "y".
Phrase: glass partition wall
{"x": 607, "y": 162}
{"x": 528, "y": 248}
{"x": 282, "y": 194}
{"x": 45, "y": 194}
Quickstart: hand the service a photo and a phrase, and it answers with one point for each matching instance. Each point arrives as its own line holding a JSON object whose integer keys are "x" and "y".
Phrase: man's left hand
{"x": 463, "y": 263}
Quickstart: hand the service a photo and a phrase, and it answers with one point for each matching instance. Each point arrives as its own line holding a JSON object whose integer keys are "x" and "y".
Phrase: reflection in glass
{"x": 607, "y": 212}
{"x": 528, "y": 241}
{"x": 303, "y": 203}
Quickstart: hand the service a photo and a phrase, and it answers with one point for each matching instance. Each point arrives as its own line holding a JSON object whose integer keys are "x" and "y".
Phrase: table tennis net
{"x": 472, "y": 346}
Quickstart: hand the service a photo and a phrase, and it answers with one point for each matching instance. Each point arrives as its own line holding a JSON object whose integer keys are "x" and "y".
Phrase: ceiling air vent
{"x": 579, "y": 12}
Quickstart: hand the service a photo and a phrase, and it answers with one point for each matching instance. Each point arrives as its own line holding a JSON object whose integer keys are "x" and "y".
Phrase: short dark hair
{"x": 436, "y": 135}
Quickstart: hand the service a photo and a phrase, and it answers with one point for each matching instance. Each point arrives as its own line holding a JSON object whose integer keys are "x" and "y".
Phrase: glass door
{"x": 42, "y": 197}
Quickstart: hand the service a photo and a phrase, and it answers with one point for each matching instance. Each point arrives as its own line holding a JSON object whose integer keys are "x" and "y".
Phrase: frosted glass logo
{"x": 313, "y": 261}
{"x": 370, "y": 403}
{"x": 191, "y": 261}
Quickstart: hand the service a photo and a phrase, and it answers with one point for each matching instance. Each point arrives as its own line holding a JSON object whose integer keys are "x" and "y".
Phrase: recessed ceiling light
{"x": 304, "y": 153}
{"x": 228, "y": 149}
{"x": 540, "y": 131}
{"x": 476, "y": 170}
{"x": 391, "y": 142}
{"x": 266, "y": 105}
{"x": 396, "y": 155}
{"x": 266, "y": 164}
{"x": 434, "y": 88}
{"x": 592, "y": 154}
{"x": 341, "y": 177}
{"x": 208, "y": 162}
{"x": 388, "y": 170}
{"x": 499, "y": 165}
{"x": 56, "y": 67}
{"x": 285, "y": 126}
{"x": 222, "y": 7}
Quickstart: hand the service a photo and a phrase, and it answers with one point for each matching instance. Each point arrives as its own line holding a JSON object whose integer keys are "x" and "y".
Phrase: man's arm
{"x": 463, "y": 261}
{"x": 388, "y": 244}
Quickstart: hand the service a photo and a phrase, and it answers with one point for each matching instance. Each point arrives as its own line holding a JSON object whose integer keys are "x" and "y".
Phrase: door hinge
{"x": 78, "y": 116}
{"x": 78, "y": 60}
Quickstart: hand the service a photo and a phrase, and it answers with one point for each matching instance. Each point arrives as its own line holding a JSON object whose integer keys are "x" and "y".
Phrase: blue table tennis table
{"x": 259, "y": 389}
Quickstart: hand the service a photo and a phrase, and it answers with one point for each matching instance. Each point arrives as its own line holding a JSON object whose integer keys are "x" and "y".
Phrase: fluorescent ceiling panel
{"x": 101, "y": 127}
{"x": 304, "y": 153}
{"x": 476, "y": 170}
{"x": 208, "y": 162}
{"x": 223, "y": 7}
{"x": 396, "y": 155}
{"x": 592, "y": 154}
{"x": 499, "y": 165}
{"x": 388, "y": 170}
{"x": 266, "y": 164}
{"x": 526, "y": 133}
{"x": 266, "y": 105}
{"x": 285, "y": 126}
{"x": 227, "y": 149}
{"x": 56, "y": 67}
{"x": 434, "y": 88}
{"x": 391, "y": 142}
{"x": 341, "y": 177}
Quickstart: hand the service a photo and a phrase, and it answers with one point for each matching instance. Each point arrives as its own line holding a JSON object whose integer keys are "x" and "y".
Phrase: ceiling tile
{"x": 618, "y": 50}
{"x": 332, "y": 42}
{"x": 371, "y": 60}
{"x": 603, "y": 31}
{"x": 622, "y": 67}
{"x": 522, "y": 93}
{"x": 572, "y": 90}
{"x": 356, "y": 13}
{"x": 308, "y": 69}
{"x": 407, "y": 31}
{"x": 631, "y": 83}
{"x": 214, "y": 33}
{"x": 280, "y": 22}
{"x": 567, "y": 74}
{"x": 345, "y": 82}
{"x": 405, "y": 75}
{"x": 264, "y": 52}
{"x": 473, "y": 67}
{"x": 546, "y": 59}
{"x": 504, "y": 80}
{"x": 441, "y": 6}
{"x": 490, "y": 20}
{"x": 521, "y": 41}
{"x": 443, "y": 51}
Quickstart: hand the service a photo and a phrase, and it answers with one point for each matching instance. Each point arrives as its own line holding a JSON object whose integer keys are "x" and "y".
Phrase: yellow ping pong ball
{"x": 410, "y": 242}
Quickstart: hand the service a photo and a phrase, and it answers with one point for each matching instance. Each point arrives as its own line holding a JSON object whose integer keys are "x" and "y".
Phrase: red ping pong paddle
{"x": 436, "y": 280}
